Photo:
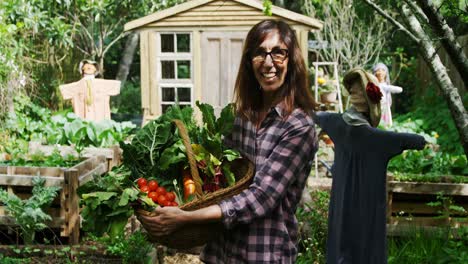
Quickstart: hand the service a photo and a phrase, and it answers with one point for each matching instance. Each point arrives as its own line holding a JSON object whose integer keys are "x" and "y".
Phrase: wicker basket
{"x": 199, "y": 234}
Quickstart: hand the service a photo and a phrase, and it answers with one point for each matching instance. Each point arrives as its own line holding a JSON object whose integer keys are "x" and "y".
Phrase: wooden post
{"x": 117, "y": 157}
{"x": 72, "y": 214}
{"x": 389, "y": 200}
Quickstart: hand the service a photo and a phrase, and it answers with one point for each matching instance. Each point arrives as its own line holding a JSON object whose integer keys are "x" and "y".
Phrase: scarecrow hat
{"x": 372, "y": 93}
{"x": 83, "y": 62}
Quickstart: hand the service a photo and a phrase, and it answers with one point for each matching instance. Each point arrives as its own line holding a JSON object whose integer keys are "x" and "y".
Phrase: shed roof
{"x": 256, "y": 4}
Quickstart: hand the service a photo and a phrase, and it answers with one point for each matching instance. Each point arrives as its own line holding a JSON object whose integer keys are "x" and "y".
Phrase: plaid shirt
{"x": 260, "y": 223}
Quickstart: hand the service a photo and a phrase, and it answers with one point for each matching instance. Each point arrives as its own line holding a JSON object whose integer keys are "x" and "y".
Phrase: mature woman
{"x": 356, "y": 219}
{"x": 274, "y": 129}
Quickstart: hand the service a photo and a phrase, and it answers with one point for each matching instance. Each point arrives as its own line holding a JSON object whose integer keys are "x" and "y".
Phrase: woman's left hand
{"x": 167, "y": 220}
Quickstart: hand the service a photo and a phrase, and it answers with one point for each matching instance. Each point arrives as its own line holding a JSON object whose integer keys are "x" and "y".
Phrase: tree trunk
{"x": 127, "y": 58}
{"x": 448, "y": 39}
{"x": 450, "y": 92}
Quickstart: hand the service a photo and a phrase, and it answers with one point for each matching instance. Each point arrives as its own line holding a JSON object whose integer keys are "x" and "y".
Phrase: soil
{"x": 182, "y": 258}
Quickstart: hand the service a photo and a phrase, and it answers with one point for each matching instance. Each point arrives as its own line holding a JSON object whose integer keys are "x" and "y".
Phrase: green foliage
{"x": 437, "y": 247}
{"x": 144, "y": 153}
{"x": 431, "y": 119}
{"x": 157, "y": 149}
{"x": 410, "y": 177}
{"x": 133, "y": 250}
{"x": 33, "y": 123}
{"x": 446, "y": 205}
{"x": 315, "y": 217}
{"x": 267, "y": 7}
{"x": 10, "y": 260}
{"x": 129, "y": 100}
{"x": 29, "y": 214}
{"x": 428, "y": 162}
{"x": 434, "y": 114}
{"x": 55, "y": 159}
{"x": 107, "y": 202}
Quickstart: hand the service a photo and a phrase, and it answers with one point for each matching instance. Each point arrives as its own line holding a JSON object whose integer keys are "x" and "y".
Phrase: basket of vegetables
{"x": 207, "y": 173}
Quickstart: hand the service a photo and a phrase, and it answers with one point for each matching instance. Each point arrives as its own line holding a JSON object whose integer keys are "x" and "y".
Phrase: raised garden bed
{"x": 426, "y": 205}
{"x": 59, "y": 254}
{"x": 65, "y": 209}
{"x": 113, "y": 154}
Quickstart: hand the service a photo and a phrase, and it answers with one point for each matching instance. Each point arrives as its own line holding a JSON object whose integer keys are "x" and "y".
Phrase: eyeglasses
{"x": 277, "y": 55}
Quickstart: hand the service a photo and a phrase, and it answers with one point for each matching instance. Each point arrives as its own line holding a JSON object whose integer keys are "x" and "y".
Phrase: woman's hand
{"x": 171, "y": 218}
{"x": 167, "y": 220}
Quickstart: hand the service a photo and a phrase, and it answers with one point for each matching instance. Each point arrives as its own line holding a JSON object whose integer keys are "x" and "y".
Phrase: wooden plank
{"x": 223, "y": 18}
{"x": 220, "y": 9}
{"x": 153, "y": 49}
{"x": 428, "y": 188}
{"x": 428, "y": 221}
{"x": 197, "y": 13}
{"x": 10, "y": 221}
{"x": 414, "y": 208}
{"x": 225, "y": 3}
{"x": 164, "y": 13}
{"x": 53, "y": 212}
{"x": 99, "y": 170}
{"x": 69, "y": 150}
{"x": 30, "y": 170}
{"x": 72, "y": 213}
{"x": 205, "y": 23}
{"x": 144, "y": 72}
{"x": 409, "y": 230}
{"x": 197, "y": 69}
{"x": 26, "y": 180}
{"x": 89, "y": 164}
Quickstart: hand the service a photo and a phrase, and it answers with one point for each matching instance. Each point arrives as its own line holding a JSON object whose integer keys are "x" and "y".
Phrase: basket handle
{"x": 191, "y": 157}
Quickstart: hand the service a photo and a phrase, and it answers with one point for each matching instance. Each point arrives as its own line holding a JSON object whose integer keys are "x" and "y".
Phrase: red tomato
{"x": 161, "y": 190}
{"x": 162, "y": 200}
{"x": 153, "y": 185}
{"x": 141, "y": 182}
{"x": 174, "y": 204}
{"x": 144, "y": 189}
{"x": 153, "y": 196}
{"x": 170, "y": 196}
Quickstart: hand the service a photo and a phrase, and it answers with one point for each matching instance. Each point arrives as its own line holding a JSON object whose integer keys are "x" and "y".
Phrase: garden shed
{"x": 192, "y": 51}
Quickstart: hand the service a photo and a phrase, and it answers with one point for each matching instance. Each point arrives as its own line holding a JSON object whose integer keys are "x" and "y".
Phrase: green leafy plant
{"x": 446, "y": 205}
{"x": 315, "y": 217}
{"x": 107, "y": 202}
{"x": 420, "y": 246}
{"x": 30, "y": 122}
{"x": 55, "y": 159}
{"x": 30, "y": 214}
{"x": 133, "y": 250}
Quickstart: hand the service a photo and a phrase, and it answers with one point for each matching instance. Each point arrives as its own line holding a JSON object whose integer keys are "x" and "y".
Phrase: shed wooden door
{"x": 221, "y": 55}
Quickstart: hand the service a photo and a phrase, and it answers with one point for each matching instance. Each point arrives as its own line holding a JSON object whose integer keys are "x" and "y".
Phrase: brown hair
{"x": 295, "y": 89}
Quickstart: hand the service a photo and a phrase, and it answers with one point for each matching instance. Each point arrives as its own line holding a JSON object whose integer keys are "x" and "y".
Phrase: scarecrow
{"x": 357, "y": 223}
{"x": 90, "y": 95}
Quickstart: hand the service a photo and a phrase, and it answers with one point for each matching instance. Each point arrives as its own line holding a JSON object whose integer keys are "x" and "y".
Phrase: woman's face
{"x": 381, "y": 75}
{"x": 270, "y": 69}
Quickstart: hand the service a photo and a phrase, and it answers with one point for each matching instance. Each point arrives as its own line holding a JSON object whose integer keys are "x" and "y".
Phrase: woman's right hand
{"x": 167, "y": 220}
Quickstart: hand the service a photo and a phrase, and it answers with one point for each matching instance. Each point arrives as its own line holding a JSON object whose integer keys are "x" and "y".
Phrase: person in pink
{"x": 90, "y": 96}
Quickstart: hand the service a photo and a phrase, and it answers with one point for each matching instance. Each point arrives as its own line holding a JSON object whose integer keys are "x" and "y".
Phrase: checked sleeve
{"x": 292, "y": 152}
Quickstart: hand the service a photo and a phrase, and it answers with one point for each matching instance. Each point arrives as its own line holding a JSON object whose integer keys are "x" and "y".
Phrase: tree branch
{"x": 448, "y": 39}
{"x": 391, "y": 19}
{"x": 417, "y": 9}
{"x": 113, "y": 42}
